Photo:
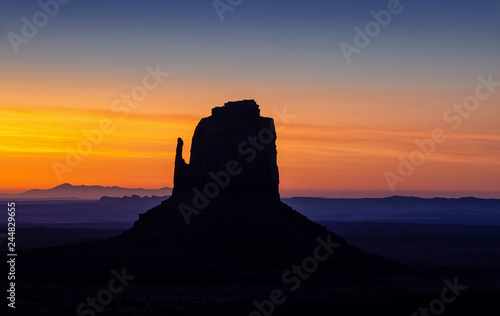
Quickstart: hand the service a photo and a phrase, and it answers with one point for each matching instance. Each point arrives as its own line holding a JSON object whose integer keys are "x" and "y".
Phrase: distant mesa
{"x": 67, "y": 191}
{"x": 226, "y": 201}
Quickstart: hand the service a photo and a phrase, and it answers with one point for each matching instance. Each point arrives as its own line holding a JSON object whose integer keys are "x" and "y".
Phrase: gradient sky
{"x": 350, "y": 121}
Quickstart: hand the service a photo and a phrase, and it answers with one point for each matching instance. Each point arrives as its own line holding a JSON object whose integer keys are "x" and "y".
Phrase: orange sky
{"x": 337, "y": 147}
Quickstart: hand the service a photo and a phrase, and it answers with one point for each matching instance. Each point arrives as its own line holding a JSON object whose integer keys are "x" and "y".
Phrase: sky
{"x": 345, "y": 120}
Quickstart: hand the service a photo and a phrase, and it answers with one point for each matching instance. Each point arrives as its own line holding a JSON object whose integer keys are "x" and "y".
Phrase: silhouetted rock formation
{"x": 235, "y": 134}
{"x": 226, "y": 200}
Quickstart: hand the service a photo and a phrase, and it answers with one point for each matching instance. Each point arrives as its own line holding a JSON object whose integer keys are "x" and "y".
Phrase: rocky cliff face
{"x": 236, "y": 141}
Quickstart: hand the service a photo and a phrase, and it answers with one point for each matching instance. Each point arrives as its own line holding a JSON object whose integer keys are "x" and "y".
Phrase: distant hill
{"x": 93, "y": 192}
{"x": 465, "y": 211}
{"x": 112, "y": 212}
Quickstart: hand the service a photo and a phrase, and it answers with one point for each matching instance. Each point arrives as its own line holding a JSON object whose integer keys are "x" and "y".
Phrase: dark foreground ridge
{"x": 226, "y": 200}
